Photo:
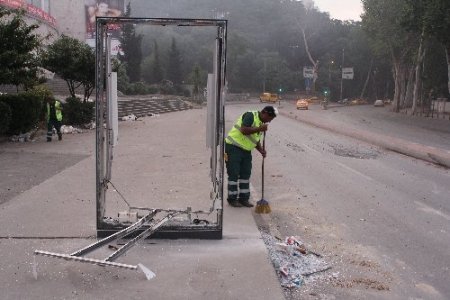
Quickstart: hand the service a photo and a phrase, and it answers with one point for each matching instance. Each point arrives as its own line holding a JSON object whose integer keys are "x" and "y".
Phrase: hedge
{"x": 25, "y": 109}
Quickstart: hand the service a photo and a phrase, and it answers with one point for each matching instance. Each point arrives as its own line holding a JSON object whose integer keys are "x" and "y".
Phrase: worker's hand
{"x": 263, "y": 128}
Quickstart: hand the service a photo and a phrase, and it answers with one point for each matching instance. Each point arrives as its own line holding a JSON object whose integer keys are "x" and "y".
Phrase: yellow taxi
{"x": 302, "y": 104}
{"x": 268, "y": 97}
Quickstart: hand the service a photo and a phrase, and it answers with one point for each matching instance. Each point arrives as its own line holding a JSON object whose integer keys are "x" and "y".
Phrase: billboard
{"x": 104, "y": 8}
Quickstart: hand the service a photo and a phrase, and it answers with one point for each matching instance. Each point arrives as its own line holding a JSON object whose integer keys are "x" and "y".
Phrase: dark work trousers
{"x": 239, "y": 169}
{"x": 53, "y": 123}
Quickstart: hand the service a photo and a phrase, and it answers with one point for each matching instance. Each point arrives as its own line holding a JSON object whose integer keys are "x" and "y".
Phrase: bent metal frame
{"x": 157, "y": 222}
{"x": 105, "y": 135}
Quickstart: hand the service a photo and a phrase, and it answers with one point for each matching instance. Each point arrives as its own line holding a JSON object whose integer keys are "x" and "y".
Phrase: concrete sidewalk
{"x": 58, "y": 215}
{"x": 427, "y": 139}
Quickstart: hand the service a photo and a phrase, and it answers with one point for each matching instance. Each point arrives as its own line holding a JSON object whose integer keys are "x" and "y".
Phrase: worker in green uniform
{"x": 54, "y": 117}
{"x": 244, "y": 136}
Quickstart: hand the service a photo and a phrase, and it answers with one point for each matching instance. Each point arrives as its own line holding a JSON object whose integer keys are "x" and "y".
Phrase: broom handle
{"x": 262, "y": 167}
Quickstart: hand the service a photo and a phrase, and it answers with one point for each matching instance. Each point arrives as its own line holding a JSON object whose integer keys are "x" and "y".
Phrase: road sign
{"x": 308, "y": 72}
{"x": 347, "y": 73}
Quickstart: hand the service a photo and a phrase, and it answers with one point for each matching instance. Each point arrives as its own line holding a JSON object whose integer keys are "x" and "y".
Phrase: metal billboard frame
{"x": 105, "y": 136}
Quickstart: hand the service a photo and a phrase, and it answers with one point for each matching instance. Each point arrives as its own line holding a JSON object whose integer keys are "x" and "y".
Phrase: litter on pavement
{"x": 294, "y": 262}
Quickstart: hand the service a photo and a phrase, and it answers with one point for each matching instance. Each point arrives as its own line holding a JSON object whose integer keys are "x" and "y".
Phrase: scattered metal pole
{"x": 148, "y": 220}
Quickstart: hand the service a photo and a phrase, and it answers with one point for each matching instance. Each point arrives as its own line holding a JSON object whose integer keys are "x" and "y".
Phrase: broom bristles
{"x": 262, "y": 207}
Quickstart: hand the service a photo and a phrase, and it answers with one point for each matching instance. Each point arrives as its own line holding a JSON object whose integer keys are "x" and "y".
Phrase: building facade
{"x": 36, "y": 11}
{"x": 74, "y": 18}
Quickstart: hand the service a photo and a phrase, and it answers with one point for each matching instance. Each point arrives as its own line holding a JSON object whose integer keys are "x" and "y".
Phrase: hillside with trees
{"x": 271, "y": 41}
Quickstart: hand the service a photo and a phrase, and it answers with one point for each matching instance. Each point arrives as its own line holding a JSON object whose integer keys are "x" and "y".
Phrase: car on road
{"x": 302, "y": 104}
{"x": 268, "y": 97}
{"x": 378, "y": 103}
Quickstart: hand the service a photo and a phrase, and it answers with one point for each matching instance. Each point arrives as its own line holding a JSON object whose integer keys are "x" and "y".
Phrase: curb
{"x": 434, "y": 155}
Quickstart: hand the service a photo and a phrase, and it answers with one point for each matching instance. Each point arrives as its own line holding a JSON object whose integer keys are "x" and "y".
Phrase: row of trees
{"x": 414, "y": 35}
{"x": 270, "y": 41}
{"x": 398, "y": 51}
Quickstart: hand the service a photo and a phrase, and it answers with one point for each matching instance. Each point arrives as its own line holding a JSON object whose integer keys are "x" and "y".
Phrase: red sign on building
{"x": 31, "y": 10}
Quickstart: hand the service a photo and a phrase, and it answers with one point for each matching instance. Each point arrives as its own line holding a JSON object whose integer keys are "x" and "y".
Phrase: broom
{"x": 262, "y": 206}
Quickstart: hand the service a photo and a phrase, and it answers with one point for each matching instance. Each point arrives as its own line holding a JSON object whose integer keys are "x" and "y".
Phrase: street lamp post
{"x": 264, "y": 76}
{"x": 342, "y": 67}
{"x": 329, "y": 72}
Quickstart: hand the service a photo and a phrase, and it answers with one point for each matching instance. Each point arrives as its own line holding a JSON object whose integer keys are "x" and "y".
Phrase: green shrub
{"x": 25, "y": 108}
{"x": 167, "y": 89}
{"x": 5, "y": 117}
{"x": 140, "y": 88}
{"x": 152, "y": 89}
{"x": 42, "y": 92}
{"x": 186, "y": 93}
{"x": 182, "y": 91}
{"x": 77, "y": 112}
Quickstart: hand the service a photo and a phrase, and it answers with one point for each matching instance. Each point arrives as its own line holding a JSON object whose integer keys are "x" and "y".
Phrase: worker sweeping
{"x": 244, "y": 136}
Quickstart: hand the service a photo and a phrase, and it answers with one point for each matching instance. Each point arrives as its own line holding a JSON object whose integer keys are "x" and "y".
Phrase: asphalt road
{"x": 381, "y": 218}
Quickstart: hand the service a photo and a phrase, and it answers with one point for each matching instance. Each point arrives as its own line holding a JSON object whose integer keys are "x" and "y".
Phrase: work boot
{"x": 235, "y": 203}
{"x": 59, "y": 136}
{"x": 246, "y": 203}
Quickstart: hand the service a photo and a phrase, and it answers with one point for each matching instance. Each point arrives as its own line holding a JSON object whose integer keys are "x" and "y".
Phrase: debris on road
{"x": 292, "y": 261}
{"x": 130, "y": 117}
{"x": 67, "y": 129}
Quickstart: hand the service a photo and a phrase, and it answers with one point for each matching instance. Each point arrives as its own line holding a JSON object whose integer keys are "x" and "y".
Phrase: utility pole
{"x": 329, "y": 72}
{"x": 264, "y": 76}
{"x": 342, "y": 68}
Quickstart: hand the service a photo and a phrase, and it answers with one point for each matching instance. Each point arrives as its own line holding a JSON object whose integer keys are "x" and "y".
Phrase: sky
{"x": 341, "y": 9}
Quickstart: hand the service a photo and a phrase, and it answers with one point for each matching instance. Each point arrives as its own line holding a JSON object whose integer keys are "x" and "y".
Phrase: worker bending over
{"x": 239, "y": 143}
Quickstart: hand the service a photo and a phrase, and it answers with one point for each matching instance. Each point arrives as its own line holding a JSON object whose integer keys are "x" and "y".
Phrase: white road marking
{"x": 354, "y": 171}
{"x": 435, "y": 189}
{"x": 429, "y": 209}
{"x": 309, "y": 148}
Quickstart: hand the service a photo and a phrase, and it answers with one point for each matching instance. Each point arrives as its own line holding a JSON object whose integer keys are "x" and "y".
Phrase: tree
{"x": 131, "y": 44}
{"x": 74, "y": 62}
{"x": 257, "y": 27}
{"x": 152, "y": 69}
{"x": 174, "y": 64}
{"x": 437, "y": 23}
{"x": 310, "y": 24}
{"x": 382, "y": 20}
{"x": 19, "y": 49}
{"x": 198, "y": 79}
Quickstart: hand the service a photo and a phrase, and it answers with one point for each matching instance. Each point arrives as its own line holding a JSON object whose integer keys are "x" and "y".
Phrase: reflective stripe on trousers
{"x": 239, "y": 166}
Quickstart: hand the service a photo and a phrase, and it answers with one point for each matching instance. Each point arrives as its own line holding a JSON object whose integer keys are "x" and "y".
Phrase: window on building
{"x": 36, "y": 3}
{"x": 46, "y": 5}
{"x": 42, "y": 4}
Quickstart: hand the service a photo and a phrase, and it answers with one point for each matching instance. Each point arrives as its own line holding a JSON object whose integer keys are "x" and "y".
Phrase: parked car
{"x": 302, "y": 104}
{"x": 378, "y": 103}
